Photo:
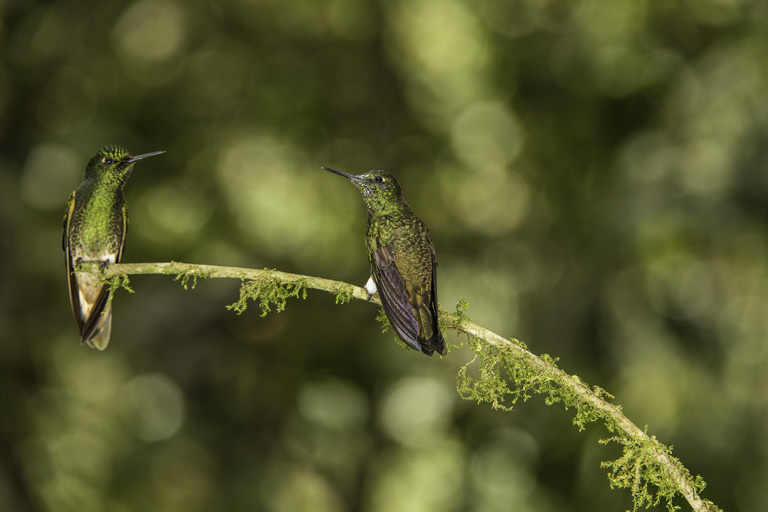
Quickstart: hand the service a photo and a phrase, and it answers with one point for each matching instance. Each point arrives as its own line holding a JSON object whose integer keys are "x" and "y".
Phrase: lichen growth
{"x": 504, "y": 377}
{"x": 268, "y": 291}
{"x": 640, "y": 470}
{"x": 461, "y": 311}
{"x": 501, "y": 375}
{"x": 381, "y": 317}
{"x": 345, "y": 293}
{"x": 119, "y": 281}
{"x": 192, "y": 274}
{"x": 383, "y": 320}
{"x": 184, "y": 278}
{"x": 115, "y": 283}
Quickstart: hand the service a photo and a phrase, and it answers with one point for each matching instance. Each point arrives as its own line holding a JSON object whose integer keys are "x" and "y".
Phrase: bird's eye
{"x": 107, "y": 160}
{"x": 378, "y": 179}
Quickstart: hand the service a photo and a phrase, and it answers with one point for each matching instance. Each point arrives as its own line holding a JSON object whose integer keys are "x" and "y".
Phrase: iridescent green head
{"x": 113, "y": 162}
{"x": 378, "y": 186}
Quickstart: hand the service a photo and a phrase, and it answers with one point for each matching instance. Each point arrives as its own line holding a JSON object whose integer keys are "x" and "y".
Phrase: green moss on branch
{"x": 506, "y": 373}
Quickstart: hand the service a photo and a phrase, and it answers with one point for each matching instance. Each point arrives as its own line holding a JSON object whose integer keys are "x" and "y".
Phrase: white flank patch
{"x": 85, "y": 306}
{"x": 89, "y": 286}
{"x": 370, "y": 286}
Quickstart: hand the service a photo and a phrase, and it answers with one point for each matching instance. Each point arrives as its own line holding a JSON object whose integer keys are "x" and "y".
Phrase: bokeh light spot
{"x": 447, "y": 70}
{"x": 171, "y": 213}
{"x": 154, "y": 405}
{"x": 489, "y": 202}
{"x": 416, "y": 410}
{"x": 423, "y": 478}
{"x": 333, "y": 404}
{"x": 150, "y": 30}
{"x": 50, "y": 174}
{"x": 486, "y": 136}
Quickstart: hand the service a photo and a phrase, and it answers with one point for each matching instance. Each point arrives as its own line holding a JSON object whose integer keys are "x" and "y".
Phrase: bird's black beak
{"x": 145, "y": 155}
{"x": 348, "y": 176}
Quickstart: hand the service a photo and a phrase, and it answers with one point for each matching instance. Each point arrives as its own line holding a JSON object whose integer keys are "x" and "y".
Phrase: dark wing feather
{"x": 125, "y": 230}
{"x": 67, "y": 216}
{"x": 93, "y": 324}
{"x": 394, "y": 296}
{"x": 436, "y": 342}
{"x": 74, "y": 298}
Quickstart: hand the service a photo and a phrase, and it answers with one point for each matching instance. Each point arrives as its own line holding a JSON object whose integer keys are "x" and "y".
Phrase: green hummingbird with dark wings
{"x": 403, "y": 261}
{"x": 95, "y": 222}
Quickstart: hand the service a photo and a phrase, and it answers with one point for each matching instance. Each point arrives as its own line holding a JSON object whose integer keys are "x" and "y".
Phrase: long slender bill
{"x": 145, "y": 155}
{"x": 348, "y": 176}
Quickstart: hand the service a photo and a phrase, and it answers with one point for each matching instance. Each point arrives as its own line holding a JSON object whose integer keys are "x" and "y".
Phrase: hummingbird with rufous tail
{"x": 403, "y": 261}
{"x": 95, "y": 223}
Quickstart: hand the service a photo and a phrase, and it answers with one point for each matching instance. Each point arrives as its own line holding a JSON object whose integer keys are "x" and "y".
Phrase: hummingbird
{"x": 95, "y": 222}
{"x": 403, "y": 261}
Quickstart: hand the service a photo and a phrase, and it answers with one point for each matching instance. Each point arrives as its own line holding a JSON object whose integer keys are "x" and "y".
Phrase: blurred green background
{"x": 595, "y": 177}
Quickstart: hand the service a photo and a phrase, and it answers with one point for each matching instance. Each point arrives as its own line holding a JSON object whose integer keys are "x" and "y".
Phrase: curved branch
{"x": 543, "y": 375}
{"x": 185, "y": 271}
{"x": 676, "y": 472}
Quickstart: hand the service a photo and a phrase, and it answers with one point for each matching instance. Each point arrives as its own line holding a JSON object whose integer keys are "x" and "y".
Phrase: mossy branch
{"x": 508, "y": 372}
